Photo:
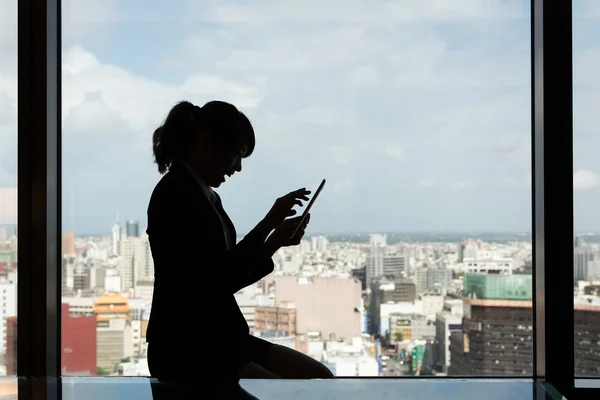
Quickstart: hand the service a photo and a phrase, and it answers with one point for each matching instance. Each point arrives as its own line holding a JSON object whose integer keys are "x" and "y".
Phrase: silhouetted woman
{"x": 196, "y": 329}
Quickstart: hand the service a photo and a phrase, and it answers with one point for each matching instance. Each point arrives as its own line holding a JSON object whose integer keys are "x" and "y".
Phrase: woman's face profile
{"x": 218, "y": 160}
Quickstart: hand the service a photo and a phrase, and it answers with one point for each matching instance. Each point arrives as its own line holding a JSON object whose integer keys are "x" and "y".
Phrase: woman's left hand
{"x": 282, "y": 235}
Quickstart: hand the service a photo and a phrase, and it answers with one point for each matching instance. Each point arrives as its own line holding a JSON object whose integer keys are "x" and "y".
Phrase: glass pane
{"x": 8, "y": 187}
{"x": 417, "y": 259}
{"x": 586, "y": 183}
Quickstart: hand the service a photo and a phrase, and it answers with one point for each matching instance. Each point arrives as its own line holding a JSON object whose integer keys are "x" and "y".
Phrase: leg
{"x": 255, "y": 371}
{"x": 291, "y": 364}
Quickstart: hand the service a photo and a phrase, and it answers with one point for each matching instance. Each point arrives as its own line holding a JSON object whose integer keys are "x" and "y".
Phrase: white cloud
{"x": 394, "y": 152}
{"x": 426, "y": 183}
{"x": 261, "y": 12}
{"x": 328, "y": 85}
{"x": 362, "y": 77}
{"x": 585, "y": 180}
{"x": 8, "y": 94}
{"x": 344, "y": 184}
{"x": 140, "y": 102}
{"x": 461, "y": 185}
{"x": 340, "y": 154}
{"x": 83, "y": 20}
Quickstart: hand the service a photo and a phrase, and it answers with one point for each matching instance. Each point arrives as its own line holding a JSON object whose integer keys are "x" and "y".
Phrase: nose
{"x": 238, "y": 165}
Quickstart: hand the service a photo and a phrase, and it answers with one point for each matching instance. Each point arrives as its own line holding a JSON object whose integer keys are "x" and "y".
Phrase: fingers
{"x": 300, "y": 194}
{"x": 292, "y": 212}
{"x": 306, "y": 221}
{"x": 298, "y": 237}
{"x": 296, "y": 220}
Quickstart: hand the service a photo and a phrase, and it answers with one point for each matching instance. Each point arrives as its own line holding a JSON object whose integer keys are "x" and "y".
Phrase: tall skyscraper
{"x": 132, "y": 228}
{"x": 116, "y": 236}
{"x": 136, "y": 261}
{"x": 378, "y": 240}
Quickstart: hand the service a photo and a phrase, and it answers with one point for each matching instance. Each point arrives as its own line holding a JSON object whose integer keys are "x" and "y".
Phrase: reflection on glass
{"x": 8, "y": 188}
{"x": 418, "y": 257}
{"x": 586, "y": 180}
{"x": 139, "y": 389}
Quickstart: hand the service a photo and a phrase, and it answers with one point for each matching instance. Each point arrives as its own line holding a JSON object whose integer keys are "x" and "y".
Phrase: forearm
{"x": 259, "y": 273}
{"x": 261, "y": 231}
{"x": 271, "y": 246}
{"x": 259, "y": 249}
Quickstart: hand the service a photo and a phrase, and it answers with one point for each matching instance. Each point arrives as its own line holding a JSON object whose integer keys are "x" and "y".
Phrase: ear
{"x": 201, "y": 140}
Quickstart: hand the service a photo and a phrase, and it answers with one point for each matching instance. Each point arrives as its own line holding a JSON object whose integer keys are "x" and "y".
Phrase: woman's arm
{"x": 182, "y": 235}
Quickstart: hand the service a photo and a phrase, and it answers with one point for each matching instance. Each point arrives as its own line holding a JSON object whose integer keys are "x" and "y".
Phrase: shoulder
{"x": 172, "y": 188}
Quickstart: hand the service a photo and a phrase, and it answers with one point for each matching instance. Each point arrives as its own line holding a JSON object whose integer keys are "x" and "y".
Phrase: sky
{"x": 416, "y": 112}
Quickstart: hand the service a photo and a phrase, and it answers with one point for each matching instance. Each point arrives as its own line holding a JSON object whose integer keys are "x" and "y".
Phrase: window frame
{"x": 39, "y": 196}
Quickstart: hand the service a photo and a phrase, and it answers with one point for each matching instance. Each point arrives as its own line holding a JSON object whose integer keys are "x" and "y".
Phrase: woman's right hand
{"x": 283, "y": 207}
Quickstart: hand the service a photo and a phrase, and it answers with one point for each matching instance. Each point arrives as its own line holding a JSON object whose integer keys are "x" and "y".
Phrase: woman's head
{"x": 212, "y": 139}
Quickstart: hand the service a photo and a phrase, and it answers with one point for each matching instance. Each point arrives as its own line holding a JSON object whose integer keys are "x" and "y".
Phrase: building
{"x": 587, "y": 345}
{"x": 410, "y": 327}
{"x": 279, "y": 319}
{"x": 445, "y": 325}
{"x": 361, "y": 275}
{"x": 319, "y": 243}
{"x": 432, "y": 279}
{"x": 68, "y": 244}
{"x": 375, "y": 263}
{"x": 136, "y": 262}
{"x": 330, "y": 306}
{"x": 492, "y": 266}
{"x": 113, "y": 330}
{"x": 497, "y": 328}
{"x": 505, "y": 287}
{"x": 8, "y": 205}
{"x": 78, "y": 344}
{"x": 497, "y": 339}
{"x": 8, "y": 304}
{"x": 381, "y": 262}
{"x": 79, "y": 306}
{"x": 8, "y": 259}
{"x": 432, "y": 305}
{"x": 11, "y": 346}
{"x": 132, "y": 228}
{"x": 394, "y": 266}
{"x": 377, "y": 240}
{"x": 116, "y": 237}
{"x": 403, "y": 291}
{"x": 144, "y": 290}
{"x": 386, "y": 310}
{"x": 497, "y": 334}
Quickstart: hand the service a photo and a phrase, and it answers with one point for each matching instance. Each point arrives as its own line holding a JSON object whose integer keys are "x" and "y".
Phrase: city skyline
{"x": 417, "y": 113}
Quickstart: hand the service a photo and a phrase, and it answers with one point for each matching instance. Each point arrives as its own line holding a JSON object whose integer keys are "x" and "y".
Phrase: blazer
{"x": 195, "y": 275}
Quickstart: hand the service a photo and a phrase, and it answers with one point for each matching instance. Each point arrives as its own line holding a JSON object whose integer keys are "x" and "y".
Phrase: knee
{"x": 324, "y": 373}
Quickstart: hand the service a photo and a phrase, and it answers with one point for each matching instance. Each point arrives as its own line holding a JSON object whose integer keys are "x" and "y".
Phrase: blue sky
{"x": 416, "y": 112}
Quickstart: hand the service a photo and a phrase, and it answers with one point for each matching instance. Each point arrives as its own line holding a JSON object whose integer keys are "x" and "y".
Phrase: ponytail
{"x": 174, "y": 135}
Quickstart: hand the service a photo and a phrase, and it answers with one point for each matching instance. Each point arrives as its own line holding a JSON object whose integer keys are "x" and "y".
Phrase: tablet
{"x": 310, "y": 203}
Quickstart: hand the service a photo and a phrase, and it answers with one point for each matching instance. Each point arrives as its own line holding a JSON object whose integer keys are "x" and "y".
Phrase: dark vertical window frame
{"x": 39, "y": 202}
{"x": 552, "y": 166}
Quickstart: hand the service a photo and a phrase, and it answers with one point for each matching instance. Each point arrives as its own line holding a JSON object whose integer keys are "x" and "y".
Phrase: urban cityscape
{"x": 363, "y": 304}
